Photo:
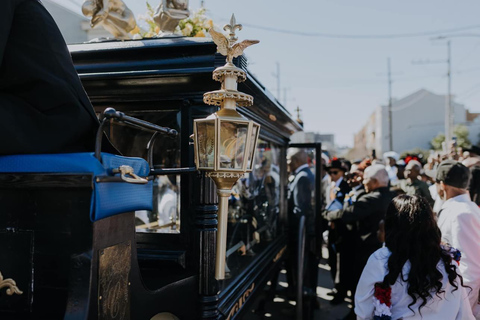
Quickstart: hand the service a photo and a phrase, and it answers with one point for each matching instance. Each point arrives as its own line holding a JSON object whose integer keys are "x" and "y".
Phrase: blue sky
{"x": 338, "y": 82}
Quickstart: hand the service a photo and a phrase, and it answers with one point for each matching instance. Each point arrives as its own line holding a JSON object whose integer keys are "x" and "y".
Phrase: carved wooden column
{"x": 206, "y": 225}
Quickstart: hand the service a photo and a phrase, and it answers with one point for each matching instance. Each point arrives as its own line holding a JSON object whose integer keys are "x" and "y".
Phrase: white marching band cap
{"x": 391, "y": 154}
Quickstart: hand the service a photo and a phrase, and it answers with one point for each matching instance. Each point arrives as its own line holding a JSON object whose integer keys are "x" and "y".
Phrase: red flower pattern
{"x": 383, "y": 295}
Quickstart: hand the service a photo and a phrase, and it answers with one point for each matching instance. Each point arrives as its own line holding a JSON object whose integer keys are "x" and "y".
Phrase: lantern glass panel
{"x": 206, "y": 144}
{"x": 253, "y": 146}
{"x": 233, "y": 137}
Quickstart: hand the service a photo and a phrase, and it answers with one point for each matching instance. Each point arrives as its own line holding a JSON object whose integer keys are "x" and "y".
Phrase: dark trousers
{"x": 310, "y": 262}
{"x": 333, "y": 251}
{"x": 346, "y": 278}
{"x": 364, "y": 249}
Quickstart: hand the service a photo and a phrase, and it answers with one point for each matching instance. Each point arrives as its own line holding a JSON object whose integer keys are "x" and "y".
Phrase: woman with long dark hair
{"x": 413, "y": 276}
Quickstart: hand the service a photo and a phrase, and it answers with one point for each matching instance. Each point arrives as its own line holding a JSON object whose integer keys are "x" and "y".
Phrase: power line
{"x": 365, "y": 36}
{"x": 390, "y": 122}
{"x": 470, "y": 95}
{"x": 471, "y": 69}
{"x": 468, "y": 54}
{"x": 468, "y": 92}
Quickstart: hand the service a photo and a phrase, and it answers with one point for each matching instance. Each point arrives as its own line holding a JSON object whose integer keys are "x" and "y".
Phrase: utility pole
{"x": 448, "y": 97}
{"x": 390, "y": 120}
{"x": 448, "y": 104}
{"x": 277, "y": 75}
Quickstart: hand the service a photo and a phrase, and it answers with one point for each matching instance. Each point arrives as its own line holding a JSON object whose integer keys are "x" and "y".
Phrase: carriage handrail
{"x": 111, "y": 113}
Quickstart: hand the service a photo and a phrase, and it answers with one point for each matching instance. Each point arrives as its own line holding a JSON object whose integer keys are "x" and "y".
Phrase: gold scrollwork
{"x": 239, "y": 304}
{"x": 220, "y": 73}
{"x": 216, "y": 98}
{"x": 10, "y": 284}
{"x": 279, "y": 254}
{"x": 224, "y": 175}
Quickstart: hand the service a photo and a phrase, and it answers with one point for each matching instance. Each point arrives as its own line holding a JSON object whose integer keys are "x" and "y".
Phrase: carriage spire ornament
{"x": 225, "y": 142}
{"x": 227, "y": 46}
{"x": 231, "y": 28}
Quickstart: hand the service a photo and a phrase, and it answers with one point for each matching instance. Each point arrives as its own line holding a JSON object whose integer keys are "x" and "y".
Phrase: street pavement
{"x": 283, "y": 309}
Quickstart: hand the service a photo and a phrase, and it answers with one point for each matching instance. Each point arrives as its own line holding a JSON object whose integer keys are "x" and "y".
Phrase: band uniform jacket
{"x": 354, "y": 195}
{"x": 299, "y": 198}
{"x": 367, "y": 212}
{"x": 342, "y": 190}
{"x": 350, "y": 199}
{"x": 44, "y": 108}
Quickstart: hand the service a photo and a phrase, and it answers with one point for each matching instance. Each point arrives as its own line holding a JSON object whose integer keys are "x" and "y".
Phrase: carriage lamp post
{"x": 225, "y": 142}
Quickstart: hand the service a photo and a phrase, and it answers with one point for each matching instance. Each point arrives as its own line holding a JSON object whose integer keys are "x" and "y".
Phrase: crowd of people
{"x": 397, "y": 227}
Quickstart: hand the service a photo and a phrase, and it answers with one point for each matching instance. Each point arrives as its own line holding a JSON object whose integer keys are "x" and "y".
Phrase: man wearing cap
{"x": 347, "y": 236}
{"x": 338, "y": 189}
{"x": 366, "y": 214}
{"x": 338, "y": 186}
{"x": 412, "y": 185}
{"x": 459, "y": 222}
{"x": 391, "y": 158}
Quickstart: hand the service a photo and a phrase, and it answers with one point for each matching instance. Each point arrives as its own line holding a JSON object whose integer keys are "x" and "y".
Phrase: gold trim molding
{"x": 280, "y": 254}
{"x": 239, "y": 304}
{"x": 224, "y": 175}
{"x": 10, "y": 284}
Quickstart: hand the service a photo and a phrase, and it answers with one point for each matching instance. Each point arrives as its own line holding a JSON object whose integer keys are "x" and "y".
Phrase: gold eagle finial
{"x": 227, "y": 46}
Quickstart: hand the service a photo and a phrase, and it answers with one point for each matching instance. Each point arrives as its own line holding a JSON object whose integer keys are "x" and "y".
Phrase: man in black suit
{"x": 366, "y": 213}
{"x": 300, "y": 190}
{"x": 347, "y": 236}
{"x": 336, "y": 193}
{"x": 44, "y": 108}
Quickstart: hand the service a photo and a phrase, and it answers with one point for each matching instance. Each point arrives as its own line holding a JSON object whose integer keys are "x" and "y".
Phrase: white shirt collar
{"x": 337, "y": 183}
{"x": 301, "y": 168}
{"x": 460, "y": 198}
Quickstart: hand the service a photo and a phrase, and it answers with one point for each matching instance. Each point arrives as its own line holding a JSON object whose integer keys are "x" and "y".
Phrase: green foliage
{"x": 460, "y": 131}
{"x": 436, "y": 142}
{"x": 149, "y": 20}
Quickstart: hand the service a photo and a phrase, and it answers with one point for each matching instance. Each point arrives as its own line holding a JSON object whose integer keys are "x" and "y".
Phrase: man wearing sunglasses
{"x": 338, "y": 189}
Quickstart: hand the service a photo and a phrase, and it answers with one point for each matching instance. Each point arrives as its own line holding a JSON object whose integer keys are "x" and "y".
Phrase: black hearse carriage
{"x": 63, "y": 263}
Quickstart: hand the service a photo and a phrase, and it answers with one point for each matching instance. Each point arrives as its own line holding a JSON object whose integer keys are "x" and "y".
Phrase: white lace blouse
{"x": 449, "y": 305}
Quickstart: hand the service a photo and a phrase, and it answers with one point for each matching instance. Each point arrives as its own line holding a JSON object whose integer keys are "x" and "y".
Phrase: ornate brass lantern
{"x": 225, "y": 142}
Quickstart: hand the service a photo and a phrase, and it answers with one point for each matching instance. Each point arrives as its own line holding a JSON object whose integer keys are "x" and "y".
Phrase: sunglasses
{"x": 334, "y": 172}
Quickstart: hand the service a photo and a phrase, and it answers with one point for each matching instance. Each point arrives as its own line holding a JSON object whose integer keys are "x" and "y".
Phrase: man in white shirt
{"x": 459, "y": 222}
{"x": 391, "y": 158}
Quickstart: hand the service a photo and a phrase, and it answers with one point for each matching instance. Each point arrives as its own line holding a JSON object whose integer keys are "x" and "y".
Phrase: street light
{"x": 225, "y": 142}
